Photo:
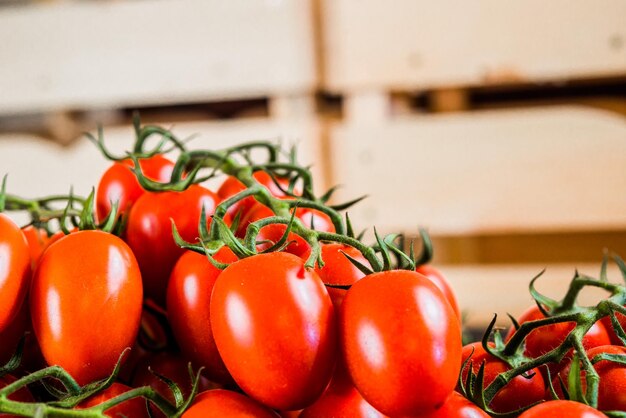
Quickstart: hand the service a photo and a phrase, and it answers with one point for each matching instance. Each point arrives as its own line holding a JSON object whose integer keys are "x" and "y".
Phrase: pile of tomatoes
{"x": 157, "y": 296}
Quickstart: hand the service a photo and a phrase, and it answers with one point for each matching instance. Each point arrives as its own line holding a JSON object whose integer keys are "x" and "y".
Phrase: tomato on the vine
{"x": 608, "y": 325}
{"x": 275, "y": 328}
{"x": 225, "y": 403}
{"x": 522, "y": 391}
{"x": 22, "y": 395}
{"x": 85, "y": 303}
{"x": 562, "y": 409}
{"x": 437, "y": 277}
{"x": 612, "y": 386}
{"x": 149, "y": 232}
{"x": 188, "y": 302}
{"x": 11, "y": 335}
{"x": 456, "y": 406}
{"x": 401, "y": 342}
{"x": 543, "y": 339}
{"x": 135, "y": 407}
{"x": 119, "y": 183}
{"x": 15, "y": 270}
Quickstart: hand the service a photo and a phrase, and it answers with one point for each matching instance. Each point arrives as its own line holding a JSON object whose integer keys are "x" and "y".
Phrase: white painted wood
{"x": 85, "y": 55}
{"x": 485, "y": 290}
{"x": 367, "y": 107}
{"x": 538, "y": 169}
{"x": 39, "y": 167}
{"x": 418, "y": 44}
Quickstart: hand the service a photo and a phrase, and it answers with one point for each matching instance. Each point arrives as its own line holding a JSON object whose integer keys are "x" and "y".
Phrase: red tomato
{"x": 232, "y": 186}
{"x": 562, "y": 409}
{"x": 188, "y": 302}
{"x": 274, "y": 327}
{"x": 37, "y": 239}
{"x": 171, "y": 366}
{"x": 22, "y": 395}
{"x": 435, "y": 276}
{"x": 546, "y": 338}
{"x": 149, "y": 232}
{"x": 224, "y": 403}
{"x": 518, "y": 393}
{"x": 86, "y": 294}
{"x": 341, "y": 400}
{"x": 14, "y": 270}
{"x": 135, "y": 407}
{"x": 612, "y": 388}
{"x": 456, "y": 406}
{"x": 339, "y": 270}
{"x": 11, "y": 335}
{"x": 401, "y": 341}
{"x": 608, "y": 325}
{"x": 119, "y": 184}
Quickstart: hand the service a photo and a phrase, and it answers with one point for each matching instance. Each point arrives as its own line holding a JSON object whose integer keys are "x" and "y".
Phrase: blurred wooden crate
{"x": 84, "y": 55}
{"x": 412, "y": 44}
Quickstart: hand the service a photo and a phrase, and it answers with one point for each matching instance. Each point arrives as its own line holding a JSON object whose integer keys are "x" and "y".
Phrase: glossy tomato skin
{"x": 456, "y": 406}
{"x": 401, "y": 341}
{"x": 15, "y": 270}
{"x": 338, "y": 269}
{"x": 341, "y": 400}
{"x": 119, "y": 184}
{"x": 188, "y": 306}
{"x": 562, "y": 409}
{"x": 437, "y": 277}
{"x": 86, "y": 294}
{"x": 149, "y": 232}
{"x": 612, "y": 387}
{"x": 225, "y": 403}
{"x": 546, "y": 338}
{"x": 518, "y": 393}
{"x": 135, "y": 407}
{"x": 10, "y": 336}
{"x": 274, "y": 326}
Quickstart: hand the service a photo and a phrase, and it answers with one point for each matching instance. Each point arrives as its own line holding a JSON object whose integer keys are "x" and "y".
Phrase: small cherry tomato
{"x": 15, "y": 270}
{"x": 401, "y": 341}
{"x": 520, "y": 392}
{"x": 149, "y": 232}
{"x": 119, "y": 184}
{"x": 562, "y": 409}
{"x": 188, "y": 302}
{"x": 435, "y": 276}
{"x": 135, "y": 407}
{"x": 225, "y": 403}
{"x": 274, "y": 327}
{"x": 86, "y": 294}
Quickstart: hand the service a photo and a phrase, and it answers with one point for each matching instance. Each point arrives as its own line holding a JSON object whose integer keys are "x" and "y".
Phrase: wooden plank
{"x": 77, "y": 55}
{"x": 423, "y": 44}
{"x": 540, "y": 169}
{"x": 483, "y": 291}
{"x": 39, "y": 167}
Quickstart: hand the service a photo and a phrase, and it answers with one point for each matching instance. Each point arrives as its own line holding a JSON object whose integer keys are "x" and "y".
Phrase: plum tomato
{"x": 338, "y": 269}
{"x": 11, "y": 335}
{"x": 401, "y": 342}
{"x": 456, "y": 406}
{"x": 86, "y": 294}
{"x": 135, "y": 407}
{"x": 520, "y": 392}
{"x": 149, "y": 232}
{"x": 15, "y": 270}
{"x": 435, "y": 276}
{"x": 612, "y": 388}
{"x": 543, "y": 339}
{"x": 188, "y": 302}
{"x": 562, "y": 409}
{"x": 119, "y": 184}
{"x": 275, "y": 328}
{"x": 225, "y": 403}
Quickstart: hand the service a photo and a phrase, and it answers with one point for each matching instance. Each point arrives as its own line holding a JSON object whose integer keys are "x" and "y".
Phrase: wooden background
{"x": 498, "y": 126}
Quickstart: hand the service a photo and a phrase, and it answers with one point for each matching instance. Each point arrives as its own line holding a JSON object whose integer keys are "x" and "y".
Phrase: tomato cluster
{"x": 257, "y": 299}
